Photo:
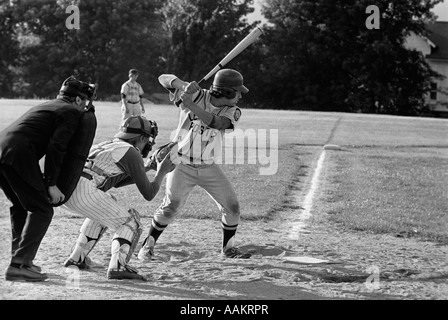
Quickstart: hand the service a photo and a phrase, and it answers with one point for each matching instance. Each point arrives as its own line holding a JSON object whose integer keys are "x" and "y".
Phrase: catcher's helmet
{"x": 72, "y": 87}
{"x": 227, "y": 82}
{"x": 136, "y": 126}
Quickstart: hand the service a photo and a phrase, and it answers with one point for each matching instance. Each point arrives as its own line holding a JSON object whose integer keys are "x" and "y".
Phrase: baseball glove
{"x": 158, "y": 155}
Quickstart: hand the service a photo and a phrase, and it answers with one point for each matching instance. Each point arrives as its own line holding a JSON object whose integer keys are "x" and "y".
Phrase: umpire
{"x": 49, "y": 129}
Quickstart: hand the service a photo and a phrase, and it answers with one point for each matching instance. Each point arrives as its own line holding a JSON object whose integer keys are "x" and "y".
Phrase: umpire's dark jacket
{"x": 44, "y": 130}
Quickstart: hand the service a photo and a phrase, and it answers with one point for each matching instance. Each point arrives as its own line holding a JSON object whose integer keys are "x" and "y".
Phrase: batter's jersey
{"x": 198, "y": 143}
{"x": 115, "y": 164}
{"x": 133, "y": 91}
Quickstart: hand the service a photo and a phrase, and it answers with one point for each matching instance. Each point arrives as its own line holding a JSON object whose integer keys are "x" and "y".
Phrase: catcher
{"x": 114, "y": 164}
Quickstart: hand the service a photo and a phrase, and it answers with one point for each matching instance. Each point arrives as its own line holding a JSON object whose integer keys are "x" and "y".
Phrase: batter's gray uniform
{"x": 198, "y": 145}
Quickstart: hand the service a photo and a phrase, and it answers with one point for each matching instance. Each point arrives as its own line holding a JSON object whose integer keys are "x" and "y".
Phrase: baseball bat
{"x": 243, "y": 44}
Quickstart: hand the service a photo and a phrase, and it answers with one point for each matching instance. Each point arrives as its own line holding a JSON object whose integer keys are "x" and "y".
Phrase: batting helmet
{"x": 72, "y": 87}
{"x": 228, "y": 82}
{"x": 136, "y": 126}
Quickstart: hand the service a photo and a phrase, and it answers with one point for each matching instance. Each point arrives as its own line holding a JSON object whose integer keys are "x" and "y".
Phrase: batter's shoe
{"x": 24, "y": 273}
{"x": 124, "y": 272}
{"x": 235, "y": 253}
{"x": 146, "y": 253}
{"x": 86, "y": 264}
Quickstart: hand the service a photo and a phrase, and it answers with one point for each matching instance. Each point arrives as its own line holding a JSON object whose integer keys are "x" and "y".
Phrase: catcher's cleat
{"x": 124, "y": 272}
{"x": 86, "y": 264}
{"x": 24, "y": 273}
{"x": 235, "y": 253}
{"x": 146, "y": 253}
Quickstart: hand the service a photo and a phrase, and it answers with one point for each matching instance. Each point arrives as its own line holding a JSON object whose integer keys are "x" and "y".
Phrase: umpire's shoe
{"x": 24, "y": 273}
{"x": 124, "y": 272}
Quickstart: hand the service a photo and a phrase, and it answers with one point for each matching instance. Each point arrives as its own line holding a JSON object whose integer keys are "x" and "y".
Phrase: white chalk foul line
{"x": 299, "y": 224}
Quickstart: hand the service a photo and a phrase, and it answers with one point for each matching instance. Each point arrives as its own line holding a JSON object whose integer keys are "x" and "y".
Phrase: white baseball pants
{"x": 212, "y": 179}
{"x": 134, "y": 110}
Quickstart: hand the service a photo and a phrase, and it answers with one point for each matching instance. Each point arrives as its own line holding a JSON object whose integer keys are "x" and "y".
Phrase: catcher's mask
{"x": 136, "y": 126}
{"x": 147, "y": 148}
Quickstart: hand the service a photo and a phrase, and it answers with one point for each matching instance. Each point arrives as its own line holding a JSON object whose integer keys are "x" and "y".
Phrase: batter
{"x": 204, "y": 117}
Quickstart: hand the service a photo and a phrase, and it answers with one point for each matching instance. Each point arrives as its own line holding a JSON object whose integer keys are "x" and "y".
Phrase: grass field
{"x": 390, "y": 177}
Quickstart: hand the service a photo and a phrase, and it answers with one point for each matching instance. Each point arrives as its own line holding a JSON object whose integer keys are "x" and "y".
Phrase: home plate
{"x": 305, "y": 260}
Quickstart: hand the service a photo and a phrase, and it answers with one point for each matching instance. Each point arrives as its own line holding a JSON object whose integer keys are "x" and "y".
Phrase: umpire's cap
{"x": 72, "y": 87}
{"x": 136, "y": 126}
{"x": 229, "y": 78}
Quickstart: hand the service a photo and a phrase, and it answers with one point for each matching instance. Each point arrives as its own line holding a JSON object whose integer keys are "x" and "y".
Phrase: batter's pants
{"x": 31, "y": 215}
{"x": 212, "y": 179}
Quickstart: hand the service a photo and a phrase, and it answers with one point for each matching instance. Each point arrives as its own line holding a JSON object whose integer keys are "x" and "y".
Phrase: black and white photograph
{"x": 223, "y": 155}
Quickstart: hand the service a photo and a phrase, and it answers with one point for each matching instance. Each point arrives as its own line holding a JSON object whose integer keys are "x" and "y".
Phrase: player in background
{"x": 113, "y": 164}
{"x": 204, "y": 117}
{"x": 131, "y": 96}
{"x": 48, "y": 129}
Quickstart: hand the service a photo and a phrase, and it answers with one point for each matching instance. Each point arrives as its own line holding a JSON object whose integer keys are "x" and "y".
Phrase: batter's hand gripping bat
{"x": 243, "y": 44}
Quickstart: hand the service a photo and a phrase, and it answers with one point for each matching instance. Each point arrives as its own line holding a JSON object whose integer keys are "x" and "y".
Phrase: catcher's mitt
{"x": 158, "y": 155}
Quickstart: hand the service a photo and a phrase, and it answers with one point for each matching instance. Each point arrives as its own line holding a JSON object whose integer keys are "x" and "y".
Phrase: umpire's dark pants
{"x": 31, "y": 215}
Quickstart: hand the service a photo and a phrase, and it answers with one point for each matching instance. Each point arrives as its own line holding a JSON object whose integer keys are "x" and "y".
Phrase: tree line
{"x": 314, "y": 54}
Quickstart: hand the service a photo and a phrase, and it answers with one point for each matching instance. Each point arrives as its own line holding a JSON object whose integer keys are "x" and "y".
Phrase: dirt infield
{"x": 188, "y": 265}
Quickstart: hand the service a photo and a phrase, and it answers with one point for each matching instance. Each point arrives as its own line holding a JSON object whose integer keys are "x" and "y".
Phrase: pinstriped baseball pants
{"x": 101, "y": 210}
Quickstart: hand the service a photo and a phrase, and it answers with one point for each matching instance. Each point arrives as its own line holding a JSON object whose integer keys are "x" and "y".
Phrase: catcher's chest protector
{"x": 77, "y": 153}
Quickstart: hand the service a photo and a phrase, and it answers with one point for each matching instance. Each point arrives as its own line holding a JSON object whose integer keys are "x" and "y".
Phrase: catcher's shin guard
{"x": 137, "y": 233}
{"x": 87, "y": 240}
{"x": 125, "y": 241}
{"x": 92, "y": 245}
